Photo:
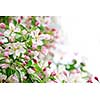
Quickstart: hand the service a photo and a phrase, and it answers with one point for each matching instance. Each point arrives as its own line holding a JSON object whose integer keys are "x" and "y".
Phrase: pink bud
{"x": 47, "y": 28}
{"x": 40, "y": 33}
{"x": 44, "y": 69}
{"x": 1, "y": 43}
{"x": 37, "y": 23}
{"x": 40, "y": 76}
{"x": 7, "y": 49}
{"x": 26, "y": 57}
{"x": 34, "y": 69}
{"x": 44, "y": 50}
{"x": 89, "y": 81}
{"x": 53, "y": 29}
{"x": 49, "y": 62}
{"x": 24, "y": 63}
{"x": 29, "y": 50}
{"x": 2, "y": 25}
{"x": 53, "y": 73}
{"x": 24, "y": 77}
{"x": 6, "y": 54}
{"x": 96, "y": 78}
{"x": 1, "y": 34}
{"x": 35, "y": 61}
{"x": 21, "y": 17}
{"x": 34, "y": 46}
{"x": 64, "y": 73}
{"x": 19, "y": 21}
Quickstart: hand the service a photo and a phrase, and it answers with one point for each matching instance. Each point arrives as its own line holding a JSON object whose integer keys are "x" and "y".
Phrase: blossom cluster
{"x": 26, "y": 53}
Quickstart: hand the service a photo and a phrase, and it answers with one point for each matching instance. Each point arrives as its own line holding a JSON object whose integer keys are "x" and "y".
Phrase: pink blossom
{"x": 24, "y": 77}
{"x": 44, "y": 50}
{"x": 34, "y": 46}
{"x": 27, "y": 57}
{"x": 4, "y": 66}
{"x": 6, "y": 54}
{"x": 2, "y": 25}
{"x": 11, "y": 38}
{"x": 1, "y": 34}
{"x": 6, "y": 49}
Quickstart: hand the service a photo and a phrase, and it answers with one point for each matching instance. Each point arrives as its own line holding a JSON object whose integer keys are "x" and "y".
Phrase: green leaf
{"x": 74, "y": 61}
{"x": 18, "y": 63}
{"x": 39, "y": 47}
{"x": 18, "y": 75}
{"x": 37, "y": 67}
{"x": 9, "y": 72}
{"x": 29, "y": 63}
{"x": 30, "y": 42}
{"x": 45, "y": 42}
{"x": 82, "y": 64}
{"x": 82, "y": 69}
{"x": 41, "y": 28}
{"x": 52, "y": 78}
{"x": 15, "y": 22}
{"x": 11, "y": 56}
{"x": 70, "y": 67}
{"x": 33, "y": 20}
{"x": 22, "y": 27}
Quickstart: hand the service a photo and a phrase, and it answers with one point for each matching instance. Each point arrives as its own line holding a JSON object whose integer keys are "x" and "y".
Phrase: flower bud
{"x": 6, "y": 54}
{"x": 19, "y": 21}
{"x": 2, "y": 25}
{"x": 49, "y": 62}
{"x": 53, "y": 73}
{"x": 37, "y": 23}
{"x": 1, "y": 34}
{"x": 96, "y": 78}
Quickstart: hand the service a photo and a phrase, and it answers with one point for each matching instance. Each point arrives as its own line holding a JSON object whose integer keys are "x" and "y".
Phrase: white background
{"x": 82, "y": 35}
{"x": 83, "y": 19}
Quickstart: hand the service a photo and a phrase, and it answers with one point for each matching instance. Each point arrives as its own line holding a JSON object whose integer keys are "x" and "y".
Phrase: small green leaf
{"x": 70, "y": 67}
{"x": 41, "y": 27}
{"x": 15, "y": 22}
{"x": 39, "y": 47}
{"x": 18, "y": 75}
{"x": 37, "y": 67}
{"x": 22, "y": 27}
{"x": 52, "y": 78}
{"x": 11, "y": 56}
{"x": 29, "y": 63}
{"x": 45, "y": 42}
{"x": 82, "y": 64}
{"x": 74, "y": 61}
{"x": 9, "y": 72}
{"x": 82, "y": 69}
{"x": 30, "y": 42}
